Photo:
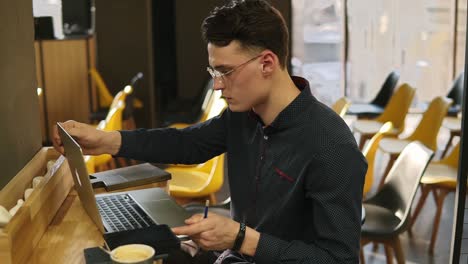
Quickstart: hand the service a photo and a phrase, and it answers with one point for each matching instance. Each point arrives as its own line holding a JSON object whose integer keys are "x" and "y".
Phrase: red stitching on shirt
{"x": 284, "y": 175}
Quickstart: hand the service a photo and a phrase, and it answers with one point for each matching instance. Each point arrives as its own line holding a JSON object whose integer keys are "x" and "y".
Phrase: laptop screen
{"x": 80, "y": 176}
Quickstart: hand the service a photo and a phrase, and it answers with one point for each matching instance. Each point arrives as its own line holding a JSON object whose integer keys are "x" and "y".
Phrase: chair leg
{"x": 410, "y": 231}
{"x": 362, "y": 140}
{"x": 425, "y": 190}
{"x": 112, "y": 164}
{"x": 361, "y": 256}
{"x": 213, "y": 199}
{"x": 449, "y": 143}
{"x": 393, "y": 157}
{"x": 364, "y": 242}
{"x": 388, "y": 253}
{"x": 375, "y": 246}
{"x": 129, "y": 124}
{"x": 400, "y": 256}
{"x": 440, "y": 203}
{"x": 122, "y": 162}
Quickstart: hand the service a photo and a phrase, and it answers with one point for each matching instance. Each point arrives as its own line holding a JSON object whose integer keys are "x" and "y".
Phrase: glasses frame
{"x": 217, "y": 74}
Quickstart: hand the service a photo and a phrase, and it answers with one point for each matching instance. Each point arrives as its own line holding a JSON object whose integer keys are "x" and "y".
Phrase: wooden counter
{"x": 70, "y": 232}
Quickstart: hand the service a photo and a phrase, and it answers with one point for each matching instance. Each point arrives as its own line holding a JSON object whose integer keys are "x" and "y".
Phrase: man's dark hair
{"x": 254, "y": 23}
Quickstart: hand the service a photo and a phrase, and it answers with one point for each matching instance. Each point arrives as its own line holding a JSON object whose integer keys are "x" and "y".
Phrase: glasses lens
{"x": 214, "y": 73}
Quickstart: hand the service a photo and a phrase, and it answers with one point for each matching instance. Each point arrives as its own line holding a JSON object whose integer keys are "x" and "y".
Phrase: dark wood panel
{"x": 124, "y": 47}
{"x": 66, "y": 83}
{"x": 20, "y": 133}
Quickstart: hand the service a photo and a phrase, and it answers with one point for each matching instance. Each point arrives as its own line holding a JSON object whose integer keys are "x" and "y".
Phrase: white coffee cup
{"x": 133, "y": 254}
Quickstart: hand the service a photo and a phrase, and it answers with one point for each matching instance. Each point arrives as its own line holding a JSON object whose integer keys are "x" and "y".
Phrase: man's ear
{"x": 269, "y": 62}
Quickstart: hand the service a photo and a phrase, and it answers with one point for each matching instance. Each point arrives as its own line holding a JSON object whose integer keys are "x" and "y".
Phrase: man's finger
{"x": 189, "y": 230}
{"x": 194, "y": 219}
{"x": 56, "y": 140}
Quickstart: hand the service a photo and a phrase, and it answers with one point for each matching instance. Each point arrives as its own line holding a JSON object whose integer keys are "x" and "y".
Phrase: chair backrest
{"x": 341, "y": 106}
{"x": 104, "y": 96}
{"x": 386, "y": 91}
{"x": 203, "y": 105}
{"x": 369, "y": 152}
{"x": 400, "y": 186}
{"x": 213, "y": 103}
{"x": 130, "y": 100}
{"x": 113, "y": 119}
{"x": 456, "y": 91}
{"x": 429, "y": 126}
{"x": 216, "y": 178}
{"x": 217, "y": 107}
{"x": 112, "y": 122}
{"x": 452, "y": 158}
{"x": 120, "y": 96}
{"x": 210, "y": 174}
{"x": 397, "y": 108}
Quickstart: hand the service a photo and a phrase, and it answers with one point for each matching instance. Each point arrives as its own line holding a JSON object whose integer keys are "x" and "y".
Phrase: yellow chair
{"x": 341, "y": 106}
{"x": 426, "y": 131}
{"x": 104, "y": 96}
{"x": 369, "y": 152}
{"x": 201, "y": 181}
{"x": 395, "y": 112}
{"x": 440, "y": 178}
{"x": 217, "y": 107}
{"x": 212, "y": 106}
{"x": 453, "y": 124}
{"x": 112, "y": 122}
{"x": 89, "y": 161}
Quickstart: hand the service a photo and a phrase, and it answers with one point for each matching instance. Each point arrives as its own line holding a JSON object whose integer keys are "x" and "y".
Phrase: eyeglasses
{"x": 217, "y": 74}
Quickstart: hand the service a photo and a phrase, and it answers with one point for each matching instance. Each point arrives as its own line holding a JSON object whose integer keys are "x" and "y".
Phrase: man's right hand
{"x": 92, "y": 141}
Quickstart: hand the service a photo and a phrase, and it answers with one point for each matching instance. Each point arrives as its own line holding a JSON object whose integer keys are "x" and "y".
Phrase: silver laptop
{"x": 120, "y": 211}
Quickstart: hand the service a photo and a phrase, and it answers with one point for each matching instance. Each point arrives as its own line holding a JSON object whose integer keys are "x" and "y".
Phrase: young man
{"x": 295, "y": 172}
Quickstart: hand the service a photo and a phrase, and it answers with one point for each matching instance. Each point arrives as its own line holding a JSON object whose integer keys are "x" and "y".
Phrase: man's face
{"x": 243, "y": 85}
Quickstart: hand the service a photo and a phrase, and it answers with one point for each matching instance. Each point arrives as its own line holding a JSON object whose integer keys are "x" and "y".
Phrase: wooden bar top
{"x": 71, "y": 231}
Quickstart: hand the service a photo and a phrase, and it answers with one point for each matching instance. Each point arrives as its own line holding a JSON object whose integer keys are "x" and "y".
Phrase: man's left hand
{"x": 212, "y": 233}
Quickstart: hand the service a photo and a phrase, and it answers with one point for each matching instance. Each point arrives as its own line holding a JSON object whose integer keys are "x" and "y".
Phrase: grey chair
{"x": 377, "y": 105}
{"x": 387, "y": 212}
{"x": 456, "y": 94}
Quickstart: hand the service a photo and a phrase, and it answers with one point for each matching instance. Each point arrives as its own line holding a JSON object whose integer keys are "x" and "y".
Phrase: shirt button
{"x": 265, "y": 137}
{"x": 261, "y": 157}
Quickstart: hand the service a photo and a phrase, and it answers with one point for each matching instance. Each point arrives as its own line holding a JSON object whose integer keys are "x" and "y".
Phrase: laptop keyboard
{"x": 122, "y": 213}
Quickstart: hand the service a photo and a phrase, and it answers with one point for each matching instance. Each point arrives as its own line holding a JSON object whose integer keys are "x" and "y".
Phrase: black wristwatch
{"x": 240, "y": 237}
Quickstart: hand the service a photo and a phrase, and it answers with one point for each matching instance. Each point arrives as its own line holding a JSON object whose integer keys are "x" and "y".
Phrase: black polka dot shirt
{"x": 297, "y": 181}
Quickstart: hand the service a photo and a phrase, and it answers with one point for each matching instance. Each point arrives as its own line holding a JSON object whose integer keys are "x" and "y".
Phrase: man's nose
{"x": 218, "y": 84}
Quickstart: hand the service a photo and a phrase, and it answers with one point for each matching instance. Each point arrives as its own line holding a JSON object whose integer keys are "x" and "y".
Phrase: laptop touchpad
{"x": 166, "y": 212}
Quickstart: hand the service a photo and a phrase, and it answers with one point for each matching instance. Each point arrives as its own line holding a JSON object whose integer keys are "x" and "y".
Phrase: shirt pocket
{"x": 283, "y": 175}
{"x": 278, "y": 182}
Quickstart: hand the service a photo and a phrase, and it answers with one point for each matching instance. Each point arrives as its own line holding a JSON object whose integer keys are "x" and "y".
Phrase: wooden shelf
{"x": 21, "y": 235}
{"x": 62, "y": 72}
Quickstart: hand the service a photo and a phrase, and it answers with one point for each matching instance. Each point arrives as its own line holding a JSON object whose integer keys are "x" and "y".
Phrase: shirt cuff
{"x": 127, "y": 139}
{"x": 269, "y": 249}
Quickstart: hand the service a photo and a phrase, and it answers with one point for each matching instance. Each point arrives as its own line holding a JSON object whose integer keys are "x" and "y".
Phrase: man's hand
{"x": 91, "y": 140}
{"x": 218, "y": 233}
{"x": 212, "y": 233}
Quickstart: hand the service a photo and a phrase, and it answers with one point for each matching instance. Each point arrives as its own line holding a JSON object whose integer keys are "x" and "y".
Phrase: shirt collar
{"x": 286, "y": 117}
